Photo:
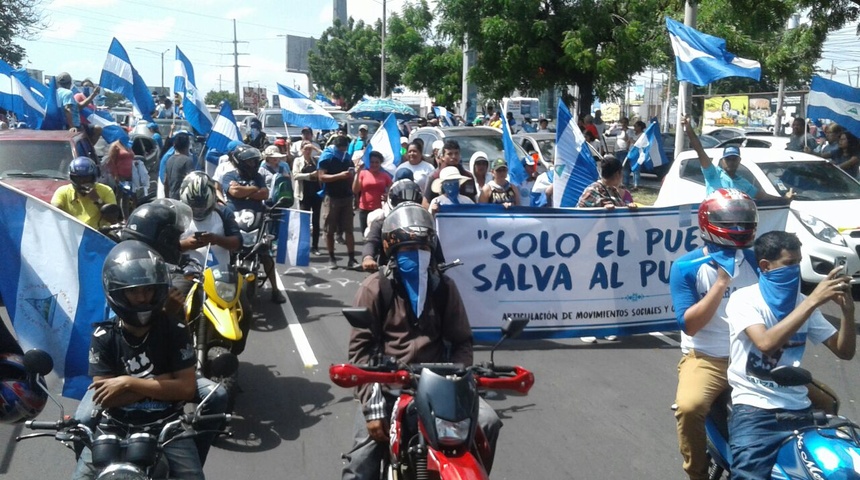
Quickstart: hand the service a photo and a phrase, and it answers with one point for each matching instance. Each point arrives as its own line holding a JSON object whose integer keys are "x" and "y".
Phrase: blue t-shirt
{"x": 333, "y": 161}
{"x": 716, "y": 177}
{"x": 66, "y": 97}
{"x": 243, "y": 203}
{"x": 158, "y": 140}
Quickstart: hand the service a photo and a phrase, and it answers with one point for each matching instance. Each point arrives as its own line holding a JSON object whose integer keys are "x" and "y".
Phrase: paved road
{"x": 596, "y": 411}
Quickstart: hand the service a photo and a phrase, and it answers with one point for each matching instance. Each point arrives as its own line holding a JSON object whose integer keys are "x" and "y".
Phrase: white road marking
{"x": 669, "y": 340}
{"x": 302, "y": 343}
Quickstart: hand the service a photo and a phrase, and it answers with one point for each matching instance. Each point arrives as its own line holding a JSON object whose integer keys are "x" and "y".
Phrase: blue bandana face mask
{"x": 779, "y": 287}
{"x": 412, "y": 266}
{"x": 451, "y": 189}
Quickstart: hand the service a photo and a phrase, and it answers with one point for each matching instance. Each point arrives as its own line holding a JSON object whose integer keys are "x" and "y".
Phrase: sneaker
{"x": 611, "y": 338}
{"x": 353, "y": 264}
{"x": 339, "y": 239}
{"x": 278, "y": 297}
{"x": 315, "y": 252}
{"x": 588, "y": 339}
{"x": 332, "y": 263}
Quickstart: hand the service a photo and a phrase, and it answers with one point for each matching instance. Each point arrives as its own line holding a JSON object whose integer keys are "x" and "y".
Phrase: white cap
{"x": 447, "y": 173}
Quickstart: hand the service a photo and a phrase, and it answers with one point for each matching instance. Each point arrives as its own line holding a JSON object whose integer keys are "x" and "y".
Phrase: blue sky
{"x": 80, "y": 33}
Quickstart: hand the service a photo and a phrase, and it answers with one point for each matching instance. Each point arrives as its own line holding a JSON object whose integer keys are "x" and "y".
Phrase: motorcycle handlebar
{"x": 40, "y": 425}
{"x": 213, "y": 417}
{"x": 521, "y": 381}
{"x": 348, "y": 375}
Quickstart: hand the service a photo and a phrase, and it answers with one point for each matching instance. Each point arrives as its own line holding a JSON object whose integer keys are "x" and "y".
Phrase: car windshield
{"x": 35, "y": 158}
{"x": 489, "y": 144}
{"x": 273, "y": 120}
{"x": 708, "y": 141}
{"x": 812, "y": 180}
{"x": 240, "y": 117}
{"x": 547, "y": 148}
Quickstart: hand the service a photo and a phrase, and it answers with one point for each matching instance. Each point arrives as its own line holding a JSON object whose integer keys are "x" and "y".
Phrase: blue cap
{"x": 402, "y": 173}
{"x": 152, "y": 126}
{"x": 731, "y": 151}
{"x": 232, "y": 145}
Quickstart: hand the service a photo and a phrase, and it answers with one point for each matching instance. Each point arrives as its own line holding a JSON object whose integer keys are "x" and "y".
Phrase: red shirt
{"x": 591, "y": 128}
{"x": 373, "y": 187}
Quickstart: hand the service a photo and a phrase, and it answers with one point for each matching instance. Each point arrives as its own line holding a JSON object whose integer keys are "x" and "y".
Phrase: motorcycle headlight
{"x": 452, "y": 434}
{"x": 122, "y": 471}
{"x": 820, "y": 229}
{"x": 227, "y": 291}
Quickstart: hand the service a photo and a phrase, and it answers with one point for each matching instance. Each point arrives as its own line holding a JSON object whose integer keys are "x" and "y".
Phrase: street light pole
{"x": 162, "y": 63}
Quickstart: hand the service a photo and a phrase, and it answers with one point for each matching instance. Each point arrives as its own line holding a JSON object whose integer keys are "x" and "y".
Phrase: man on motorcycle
{"x": 769, "y": 324}
{"x": 246, "y": 190}
{"x": 143, "y": 363}
{"x": 701, "y": 282}
{"x": 211, "y": 228}
{"x": 84, "y": 197}
{"x": 419, "y": 311}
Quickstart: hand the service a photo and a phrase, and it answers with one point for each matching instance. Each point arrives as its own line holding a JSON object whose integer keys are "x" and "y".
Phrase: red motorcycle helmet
{"x": 728, "y": 217}
{"x": 20, "y": 399}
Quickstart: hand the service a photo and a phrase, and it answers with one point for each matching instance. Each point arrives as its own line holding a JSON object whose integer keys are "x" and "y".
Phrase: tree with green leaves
{"x": 215, "y": 98}
{"x": 425, "y": 60}
{"x": 18, "y": 19}
{"x": 347, "y": 61}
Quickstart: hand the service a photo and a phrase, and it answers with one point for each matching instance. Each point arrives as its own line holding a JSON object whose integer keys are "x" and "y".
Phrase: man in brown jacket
{"x": 393, "y": 295}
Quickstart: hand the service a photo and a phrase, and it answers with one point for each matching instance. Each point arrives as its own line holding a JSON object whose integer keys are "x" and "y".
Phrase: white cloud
{"x": 240, "y": 13}
{"x": 90, "y": 4}
{"x": 144, "y": 30}
{"x": 63, "y": 29}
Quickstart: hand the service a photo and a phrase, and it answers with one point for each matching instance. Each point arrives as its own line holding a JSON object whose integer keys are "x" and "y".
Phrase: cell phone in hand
{"x": 841, "y": 262}
{"x": 197, "y": 235}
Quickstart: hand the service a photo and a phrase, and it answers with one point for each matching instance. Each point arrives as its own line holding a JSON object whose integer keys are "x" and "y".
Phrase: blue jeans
{"x": 755, "y": 435}
{"x": 621, "y": 155}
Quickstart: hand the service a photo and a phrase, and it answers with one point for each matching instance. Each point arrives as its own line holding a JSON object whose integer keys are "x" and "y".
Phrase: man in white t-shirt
{"x": 416, "y": 164}
{"x": 770, "y": 323}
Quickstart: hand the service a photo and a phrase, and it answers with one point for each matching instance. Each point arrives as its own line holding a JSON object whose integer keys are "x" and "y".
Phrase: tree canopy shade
{"x": 18, "y": 19}
{"x": 347, "y": 61}
{"x": 215, "y": 98}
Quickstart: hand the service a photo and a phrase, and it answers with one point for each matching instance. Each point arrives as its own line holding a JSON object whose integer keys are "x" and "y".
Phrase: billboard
{"x": 297, "y": 53}
{"x": 753, "y": 110}
{"x": 254, "y": 99}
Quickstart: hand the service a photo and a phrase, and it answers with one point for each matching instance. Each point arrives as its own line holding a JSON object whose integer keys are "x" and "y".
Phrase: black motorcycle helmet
{"x": 132, "y": 264}
{"x": 246, "y": 159}
{"x": 404, "y": 190}
{"x": 159, "y": 224}
{"x": 408, "y": 224}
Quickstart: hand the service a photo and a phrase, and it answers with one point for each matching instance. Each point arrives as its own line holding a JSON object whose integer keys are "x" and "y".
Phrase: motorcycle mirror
{"x": 224, "y": 365}
{"x": 38, "y": 362}
{"x": 514, "y": 326}
{"x": 358, "y": 317}
{"x": 790, "y": 376}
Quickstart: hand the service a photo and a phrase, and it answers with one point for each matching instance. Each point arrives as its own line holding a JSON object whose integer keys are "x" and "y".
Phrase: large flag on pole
{"x": 193, "y": 104}
{"x": 834, "y": 101}
{"x": 701, "y": 58}
{"x": 294, "y": 239}
{"x": 575, "y": 168}
{"x": 297, "y": 109}
{"x": 516, "y": 171}
{"x": 223, "y": 132}
{"x": 444, "y": 116}
{"x": 55, "y": 118}
{"x": 119, "y": 76}
{"x": 16, "y": 96}
{"x": 648, "y": 149}
{"x": 111, "y": 131}
{"x": 52, "y": 283}
{"x": 385, "y": 140}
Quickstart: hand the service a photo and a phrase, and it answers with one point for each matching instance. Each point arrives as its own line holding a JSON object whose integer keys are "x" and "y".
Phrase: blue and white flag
{"x": 386, "y": 140}
{"x": 648, "y": 149}
{"x": 294, "y": 239}
{"x": 322, "y": 98}
{"x": 701, "y": 58}
{"x": 52, "y": 283}
{"x": 55, "y": 117}
{"x": 119, "y": 76}
{"x": 193, "y": 104}
{"x": 111, "y": 131}
{"x": 516, "y": 171}
{"x": 297, "y": 109}
{"x": 575, "y": 168}
{"x": 223, "y": 132}
{"x": 834, "y": 101}
{"x": 17, "y": 97}
{"x": 444, "y": 116}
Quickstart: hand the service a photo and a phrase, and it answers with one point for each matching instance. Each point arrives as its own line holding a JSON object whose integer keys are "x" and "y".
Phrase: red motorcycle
{"x": 434, "y": 423}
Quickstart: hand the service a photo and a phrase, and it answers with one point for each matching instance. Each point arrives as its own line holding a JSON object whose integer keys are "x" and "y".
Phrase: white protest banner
{"x": 572, "y": 272}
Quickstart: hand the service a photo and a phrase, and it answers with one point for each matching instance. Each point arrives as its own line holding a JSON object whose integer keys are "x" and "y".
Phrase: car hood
{"x": 41, "y": 188}
{"x": 840, "y": 214}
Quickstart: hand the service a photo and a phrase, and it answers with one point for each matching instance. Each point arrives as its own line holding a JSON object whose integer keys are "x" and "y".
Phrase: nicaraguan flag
{"x": 119, "y": 76}
{"x": 294, "y": 239}
{"x": 385, "y": 140}
{"x": 297, "y": 109}
{"x": 52, "y": 282}
{"x": 444, "y": 116}
{"x": 55, "y": 117}
{"x": 516, "y": 171}
{"x": 322, "y": 98}
{"x": 111, "y": 131}
{"x": 575, "y": 168}
{"x": 223, "y": 132}
{"x": 193, "y": 104}
{"x": 648, "y": 149}
{"x": 701, "y": 58}
{"x": 834, "y": 101}
{"x": 16, "y": 96}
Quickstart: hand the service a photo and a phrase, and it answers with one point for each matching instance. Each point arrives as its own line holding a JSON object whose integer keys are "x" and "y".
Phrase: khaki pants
{"x": 701, "y": 379}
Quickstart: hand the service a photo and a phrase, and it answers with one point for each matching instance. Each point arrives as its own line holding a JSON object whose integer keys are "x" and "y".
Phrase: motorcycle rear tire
{"x": 231, "y": 383}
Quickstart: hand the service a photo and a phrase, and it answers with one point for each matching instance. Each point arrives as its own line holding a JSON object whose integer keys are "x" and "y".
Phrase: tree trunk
{"x": 586, "y": 96}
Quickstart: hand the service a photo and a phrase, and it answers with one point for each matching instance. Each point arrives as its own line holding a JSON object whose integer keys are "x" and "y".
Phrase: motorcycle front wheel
{"x": 231, "y": 383}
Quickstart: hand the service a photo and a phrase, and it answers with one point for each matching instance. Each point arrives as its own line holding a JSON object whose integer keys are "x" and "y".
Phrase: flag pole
{"x": 684, "y": 102}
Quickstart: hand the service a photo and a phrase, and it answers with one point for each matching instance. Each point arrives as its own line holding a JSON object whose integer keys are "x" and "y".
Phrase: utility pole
{"x": 780, "y": 96}
{"x": 236, "y": 61}
{"x": 382, "y": 58}
{"x": 685, "y": 103}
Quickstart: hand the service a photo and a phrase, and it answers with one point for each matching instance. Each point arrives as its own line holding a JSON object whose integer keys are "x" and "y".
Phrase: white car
{"x": 823, "y": 213}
